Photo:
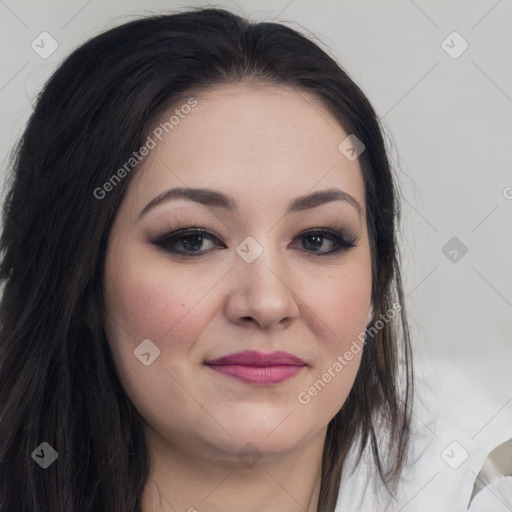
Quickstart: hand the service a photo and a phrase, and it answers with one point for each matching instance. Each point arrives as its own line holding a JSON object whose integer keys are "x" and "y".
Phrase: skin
{"x": 263, "y": 145}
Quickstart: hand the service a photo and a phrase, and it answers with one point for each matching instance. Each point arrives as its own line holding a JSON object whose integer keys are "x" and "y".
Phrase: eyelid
{"x": 176, "y": 234}
{"x": 341, "y": 229}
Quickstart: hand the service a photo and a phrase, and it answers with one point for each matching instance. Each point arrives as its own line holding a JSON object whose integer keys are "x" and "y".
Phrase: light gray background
{"x": 448, "y": 122}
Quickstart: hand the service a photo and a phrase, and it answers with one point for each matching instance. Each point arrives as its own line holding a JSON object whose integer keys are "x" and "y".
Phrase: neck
{"x": 183, "y": 480}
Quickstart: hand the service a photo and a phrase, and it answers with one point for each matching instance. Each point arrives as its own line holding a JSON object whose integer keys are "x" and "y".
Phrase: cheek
{"x": 341, "y": 336}
{"x": 144, "y": 300}
{"x": 137, "y": 303}
{"x": 147, "y": 298}
{"x": 340, "y": 301}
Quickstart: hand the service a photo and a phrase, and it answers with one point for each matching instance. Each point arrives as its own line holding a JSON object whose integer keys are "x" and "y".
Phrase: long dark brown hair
{"x": 57, "y": 378}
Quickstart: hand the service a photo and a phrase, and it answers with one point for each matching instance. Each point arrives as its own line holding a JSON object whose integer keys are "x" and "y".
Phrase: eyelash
{"x": 167, "y": 240}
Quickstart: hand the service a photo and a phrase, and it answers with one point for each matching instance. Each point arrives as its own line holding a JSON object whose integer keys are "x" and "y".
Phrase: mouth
{"x": 258, "y": 368}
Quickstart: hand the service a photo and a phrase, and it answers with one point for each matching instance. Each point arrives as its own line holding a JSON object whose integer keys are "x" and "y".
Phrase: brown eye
{"x": 186, "y": 242}
{"x": 313, "y": 241}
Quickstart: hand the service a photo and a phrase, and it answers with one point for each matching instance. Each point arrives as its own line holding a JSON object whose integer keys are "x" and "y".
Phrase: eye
{"x": 314, "y": 239}
{"x": 190, "y": 241}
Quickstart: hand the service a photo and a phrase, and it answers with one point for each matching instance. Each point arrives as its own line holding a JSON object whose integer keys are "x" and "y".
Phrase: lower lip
{"x": 258, "y": 374}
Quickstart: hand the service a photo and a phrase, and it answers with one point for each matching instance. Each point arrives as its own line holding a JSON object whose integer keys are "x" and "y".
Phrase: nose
{"x": 262, "y": 293}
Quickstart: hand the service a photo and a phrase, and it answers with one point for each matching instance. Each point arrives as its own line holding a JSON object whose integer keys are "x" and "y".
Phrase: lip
{"x": 255, "y": 367}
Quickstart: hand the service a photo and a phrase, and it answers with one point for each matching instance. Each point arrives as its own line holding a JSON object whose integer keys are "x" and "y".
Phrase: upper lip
{"x": 254, "y": 358}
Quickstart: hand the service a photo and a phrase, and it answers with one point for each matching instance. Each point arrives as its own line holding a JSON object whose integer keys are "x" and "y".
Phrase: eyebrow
{"x": 216, "y": 199}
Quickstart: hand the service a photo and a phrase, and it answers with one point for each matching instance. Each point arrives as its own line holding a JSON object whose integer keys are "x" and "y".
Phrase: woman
{"x": 202, "y": 307}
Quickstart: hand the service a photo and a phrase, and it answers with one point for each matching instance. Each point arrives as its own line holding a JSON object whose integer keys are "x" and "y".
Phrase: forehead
{"x": 275, "y": 141}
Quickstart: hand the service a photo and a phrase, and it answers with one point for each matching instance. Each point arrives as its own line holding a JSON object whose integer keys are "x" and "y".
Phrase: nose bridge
{"x": 261, "y": 279}
{"x": 261, "y": 260}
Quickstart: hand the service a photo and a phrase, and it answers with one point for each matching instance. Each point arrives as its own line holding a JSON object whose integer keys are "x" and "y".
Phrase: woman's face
{"x": 254, "y": 282}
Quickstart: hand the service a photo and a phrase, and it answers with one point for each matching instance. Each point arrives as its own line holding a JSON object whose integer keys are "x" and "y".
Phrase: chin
{"x": 271, "y": 435}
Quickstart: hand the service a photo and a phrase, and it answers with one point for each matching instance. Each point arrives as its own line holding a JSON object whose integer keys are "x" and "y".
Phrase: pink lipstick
{"x": 258, "y": 368}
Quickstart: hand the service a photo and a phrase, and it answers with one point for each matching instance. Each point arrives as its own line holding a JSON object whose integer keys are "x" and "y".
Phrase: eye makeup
{"x": 189, "y": 241}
